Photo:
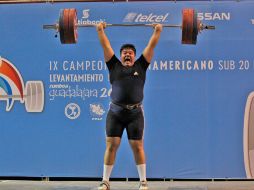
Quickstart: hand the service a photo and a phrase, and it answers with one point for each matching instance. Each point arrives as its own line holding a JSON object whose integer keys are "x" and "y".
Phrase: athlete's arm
{"x": 107, "y": 49}
{"x": 149, "y": 49}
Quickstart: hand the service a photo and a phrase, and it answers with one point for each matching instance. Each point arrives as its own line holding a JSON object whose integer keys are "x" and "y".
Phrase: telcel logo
{"x": 139, "y": 17}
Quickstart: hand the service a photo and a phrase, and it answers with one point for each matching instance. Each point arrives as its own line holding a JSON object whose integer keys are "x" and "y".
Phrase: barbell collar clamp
{"x": 209, "y": 27}
{"x": 51, "y": 26}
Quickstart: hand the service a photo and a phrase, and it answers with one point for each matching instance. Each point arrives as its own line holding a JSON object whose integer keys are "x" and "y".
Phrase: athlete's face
{"x": 127, "y": 57}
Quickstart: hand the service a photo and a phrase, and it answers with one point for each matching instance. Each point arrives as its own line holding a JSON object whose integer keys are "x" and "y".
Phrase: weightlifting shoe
{"x": 104, "y": 185}
{"x": 143, "y": 185}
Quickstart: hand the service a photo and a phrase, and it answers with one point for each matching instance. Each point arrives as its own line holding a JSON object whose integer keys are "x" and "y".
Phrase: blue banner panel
{"x": 54, "y": 98}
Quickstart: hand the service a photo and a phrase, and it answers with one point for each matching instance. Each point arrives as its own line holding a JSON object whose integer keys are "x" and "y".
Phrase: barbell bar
{"x": 68, "y": 24}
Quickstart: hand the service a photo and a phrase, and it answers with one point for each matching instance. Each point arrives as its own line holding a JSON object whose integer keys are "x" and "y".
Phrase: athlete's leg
{"x": 137, "y": 147}
{"x": 114, "y": 132}
{"x": 135, "y": 132}
{"x": 112, "y": 144}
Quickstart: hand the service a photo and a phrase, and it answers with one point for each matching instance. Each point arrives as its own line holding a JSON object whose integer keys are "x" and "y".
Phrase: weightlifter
{"x": 127, "y": 77}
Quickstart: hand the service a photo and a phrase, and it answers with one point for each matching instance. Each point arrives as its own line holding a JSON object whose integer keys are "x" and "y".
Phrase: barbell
{"x": 68, "y": 24}
{"x": 33, "y": 97}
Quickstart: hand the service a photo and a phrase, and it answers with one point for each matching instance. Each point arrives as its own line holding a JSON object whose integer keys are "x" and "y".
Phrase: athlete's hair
{"x": 128, "y": 46}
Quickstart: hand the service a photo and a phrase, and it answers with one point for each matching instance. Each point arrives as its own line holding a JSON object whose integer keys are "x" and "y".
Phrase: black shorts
{"x": 119, "y": 118}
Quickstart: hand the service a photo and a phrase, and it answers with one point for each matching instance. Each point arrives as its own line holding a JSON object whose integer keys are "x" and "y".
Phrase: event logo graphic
{"x": 85, "y": 18}
{"x": 12, "y": 88}
{"x": 143, "y": 18}
{"x": 72, "y": 111}
{"x": 97, "y": 111}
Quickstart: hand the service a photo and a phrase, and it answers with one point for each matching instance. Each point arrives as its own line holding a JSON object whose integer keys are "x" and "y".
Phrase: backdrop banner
{"x": 54, "y": 98}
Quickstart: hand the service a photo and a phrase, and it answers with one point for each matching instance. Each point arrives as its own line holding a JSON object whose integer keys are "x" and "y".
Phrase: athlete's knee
{"x": 137, "y": 145}
{"x": 138, "y": 149}
{"x": 113, "y": 144}
{"x": 112, "y": 147}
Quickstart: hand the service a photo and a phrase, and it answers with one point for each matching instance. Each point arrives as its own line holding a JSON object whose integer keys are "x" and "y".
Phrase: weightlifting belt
{"x": 128, "y": 106}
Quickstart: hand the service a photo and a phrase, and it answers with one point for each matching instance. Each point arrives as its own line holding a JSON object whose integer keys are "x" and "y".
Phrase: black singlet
{"x": 127, "y": 82}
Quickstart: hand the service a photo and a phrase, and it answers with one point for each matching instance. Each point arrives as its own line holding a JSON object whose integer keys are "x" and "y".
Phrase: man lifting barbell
{"x": 127, "y": 77}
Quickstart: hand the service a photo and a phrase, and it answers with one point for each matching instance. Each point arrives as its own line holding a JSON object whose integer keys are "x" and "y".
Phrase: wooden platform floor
{"x": 115, "y": 185}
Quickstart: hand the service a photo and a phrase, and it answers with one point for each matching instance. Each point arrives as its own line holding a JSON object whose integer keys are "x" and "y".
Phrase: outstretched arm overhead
{"x": 107, "y": 49}
{"x": 149, "y": 49}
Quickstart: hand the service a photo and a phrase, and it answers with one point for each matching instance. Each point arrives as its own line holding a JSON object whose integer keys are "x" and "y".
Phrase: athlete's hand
{"x": 101, "y": 26}
{"x": 157, "y": 27}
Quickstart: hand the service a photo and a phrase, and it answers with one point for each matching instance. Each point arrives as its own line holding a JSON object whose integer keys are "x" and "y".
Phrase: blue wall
{"x": 194, "y": 118}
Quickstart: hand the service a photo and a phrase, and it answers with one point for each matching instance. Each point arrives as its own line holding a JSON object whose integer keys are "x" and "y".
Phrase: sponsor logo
{"x": 97, "y": 111}
{"x": 72, "y": 111}
{"x": 143, "y": 18}
{"x": 86, "y": 14}
{"x": 214, "y": 16}
{"x": 12, "y": 88}
{"x": 252, "y": 21}
{"x": 86, "y": 18}
{"x": 130, "y": 17}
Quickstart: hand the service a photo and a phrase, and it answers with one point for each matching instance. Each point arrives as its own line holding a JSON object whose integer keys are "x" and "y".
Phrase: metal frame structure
{"x": 65, "y": 1}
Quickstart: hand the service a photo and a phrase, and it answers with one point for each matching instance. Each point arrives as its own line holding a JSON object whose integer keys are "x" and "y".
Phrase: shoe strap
{"x": 106, "y": 183}
{"x": 143, "y": 183}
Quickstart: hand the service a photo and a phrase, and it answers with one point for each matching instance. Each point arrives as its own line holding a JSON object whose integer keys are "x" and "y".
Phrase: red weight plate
{"x": 196, "y": 26}
{"x": 189, "y": 26}
{"x": 63, "y": 25}
{"x": 72, "y": 32}
{"x": 68, "y": 26}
